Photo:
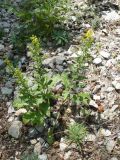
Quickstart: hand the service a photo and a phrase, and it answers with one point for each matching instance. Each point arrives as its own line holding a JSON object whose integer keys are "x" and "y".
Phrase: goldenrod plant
{"x": 36, "y": 98}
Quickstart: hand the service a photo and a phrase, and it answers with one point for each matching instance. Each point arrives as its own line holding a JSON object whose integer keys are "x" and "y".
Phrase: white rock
{"x": 111, "y": 16}
{"x": 20, "y": 111}
{"x": 11, "y": 109}
{"x": 113, "y": 158}
{"x": 104, "y": 132}
{"x": 73, "y": 18}
{"x": 96, "y": 97}
{"x": 110, "y": 145}
{"x": 97, "y": 61}
{"x": 105, "y": 54}
{"x": 43, "y": 157}
{"x": 110, "y": 89}
{"x": 77, "y": 54}
{"x": 93, "y": 104}
{"x": 38, "y": 148}
{"x": 116, "y": 85}
{"x": 11, "y": 119}
{"x": 15, "y": 129}
{"x": 33, "y": 141}
{"x": 90, "y": 138}
{"x": 63, "y": 145}
{"x": 67, "y": 155}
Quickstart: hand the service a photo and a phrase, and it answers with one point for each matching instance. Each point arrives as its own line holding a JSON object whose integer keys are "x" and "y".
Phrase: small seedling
{"x": 76, "y": 133}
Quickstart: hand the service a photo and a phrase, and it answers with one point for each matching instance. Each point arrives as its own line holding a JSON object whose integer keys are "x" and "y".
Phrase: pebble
{"x": 1, "y": 47}
{"x": 90, "y": 138}
{"x": 104, "y": 132}
{"x": 113, "y": 158}
{"x": 96, "y": 97}
{"x": 67, "y": 155}
{"x": 15, "y": 129}
{"x": 111, "y": 16}
{"x": 93, "y": 104}
{"x": 105, "y": 54}
{"x": 37, "y": 148}
{"x": 110, "y": 145}
{"x": 63, "y": 145}
{"x": 110, "y": 89}
{"x": 6, "y": 91}
{"x": 1, "y": 64}
{"x": 20, "y": 111}
{"x": 33, "y": 141}
{"x": 32, "y": 132}
{"x": 97, "y": 61}
{"x": 42, "y": 157}
{"x": 39, "y": 128}
{"x": 116, "y": 85}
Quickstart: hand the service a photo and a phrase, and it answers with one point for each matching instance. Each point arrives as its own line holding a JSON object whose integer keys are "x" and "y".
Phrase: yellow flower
{"x": 90, "y": 33}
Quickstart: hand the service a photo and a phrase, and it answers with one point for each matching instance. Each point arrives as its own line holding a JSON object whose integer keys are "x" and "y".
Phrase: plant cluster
{"x": 36, "y": 98}
{"x": 37, "y": 17}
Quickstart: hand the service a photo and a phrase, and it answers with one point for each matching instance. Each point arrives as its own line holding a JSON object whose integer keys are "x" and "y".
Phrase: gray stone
{"x": 60, "y": 68}
{"x": 39, "y": 128}
{"x": 15, "y": 129}
{"x": 11, "y": 109}
{"x": 2, "y": 64}
{"x": 49, "y": 62}
{"x": 97, "y": 61}
{"x": 41, "y": 140}
{"x": 43, "y": 157}
{"x": 59, "y": 60}
{"x": 32, "y": 132}
{"x": 110, "y": 145}
{"x": 37, "y": 148}
{"x": 1, "y": 47}
{"x": 6, "y": 91}
{"x": 105, "y": 54}
{"x": 72, "y": 49}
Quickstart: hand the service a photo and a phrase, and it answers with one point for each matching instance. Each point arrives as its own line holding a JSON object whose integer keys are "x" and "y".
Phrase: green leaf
{"x": 65, "y": 94}
{"x": 18, "y": 103}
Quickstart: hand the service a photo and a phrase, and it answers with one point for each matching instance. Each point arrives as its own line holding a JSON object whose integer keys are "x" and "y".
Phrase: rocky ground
{"x": 103, "y": 83}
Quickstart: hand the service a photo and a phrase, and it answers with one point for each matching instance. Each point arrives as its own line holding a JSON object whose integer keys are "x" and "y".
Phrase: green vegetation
{"x": 77, "y": 133}
{"x": 36, "y": 98}
{"x": 37, "y": 18}
{"x": 60, "y": 37}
